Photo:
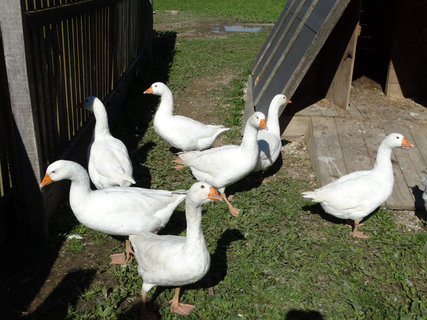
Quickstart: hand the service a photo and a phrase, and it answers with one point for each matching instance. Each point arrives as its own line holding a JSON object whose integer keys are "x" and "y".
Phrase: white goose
{"x": 356, "y": 195}
{"x": 424, "y": 182}
{"x": 168, "y": 260}
{"x": 269, "y": 142}
{"x": 225, "y": 165}
{"x": 181, "y": 132}
{"x": 109, "y": 164}
{"x": 117, "y": 211}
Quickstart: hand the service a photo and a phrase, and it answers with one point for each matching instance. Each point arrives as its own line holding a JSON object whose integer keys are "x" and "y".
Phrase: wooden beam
{"x": 339, "y": 90}
{"x": 25, "y": 121}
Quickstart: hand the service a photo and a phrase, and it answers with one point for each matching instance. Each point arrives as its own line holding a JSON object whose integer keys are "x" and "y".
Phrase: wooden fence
{"x": 56, "y": 53}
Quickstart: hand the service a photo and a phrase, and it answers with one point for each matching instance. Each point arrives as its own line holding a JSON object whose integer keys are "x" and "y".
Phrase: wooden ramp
{"x": 338, "y": 146}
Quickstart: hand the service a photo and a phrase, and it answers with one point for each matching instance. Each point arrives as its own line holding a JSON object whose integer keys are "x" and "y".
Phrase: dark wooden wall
{"x": 56, "y": 53}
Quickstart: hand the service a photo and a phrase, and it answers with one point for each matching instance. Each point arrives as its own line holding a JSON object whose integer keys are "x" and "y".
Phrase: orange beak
{"x": 149, "y": 91}
{"x": 406, "y": 143}
{"x": 214, "y": 194}
{"x": 288, "y": 101}
{"x": 46, "y": 180}
{"x": 263, "y": 125}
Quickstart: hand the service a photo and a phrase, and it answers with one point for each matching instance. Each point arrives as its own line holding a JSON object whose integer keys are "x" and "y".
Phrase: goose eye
{"x": 397, "y": 138}
{"x": 53, "y": 171}
{"x": 202, "y": 186}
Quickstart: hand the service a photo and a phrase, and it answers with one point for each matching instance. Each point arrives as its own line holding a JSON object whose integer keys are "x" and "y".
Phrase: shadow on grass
{"x": 317, "y": 209}
{"x": 218, "y": 268}
{"x": 26, "y": 268}
{"x": 303, "y": 315}
{"x": 255, "y": 179}
{"x": 66, "y": 294}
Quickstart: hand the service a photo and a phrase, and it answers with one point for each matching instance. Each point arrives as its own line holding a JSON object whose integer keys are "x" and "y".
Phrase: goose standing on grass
{"x": 119, "y": 211}
{"x": 168, "y": 260}
{"x": 225, "y": 165}
{"x": 109, "y": 164}
{"x": 424, "y": 182}
{"x": 356, "y": 195}
{"x": 269, "y": 142}
{"x": 181, "y": 132}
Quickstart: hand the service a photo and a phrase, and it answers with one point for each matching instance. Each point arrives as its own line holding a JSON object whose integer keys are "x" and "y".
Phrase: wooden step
{"x": 338, "y": 146}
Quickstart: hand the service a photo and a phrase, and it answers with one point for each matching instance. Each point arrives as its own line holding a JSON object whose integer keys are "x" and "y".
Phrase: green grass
{"x": 280, "y": 259}
{"x": 237, "y": 10}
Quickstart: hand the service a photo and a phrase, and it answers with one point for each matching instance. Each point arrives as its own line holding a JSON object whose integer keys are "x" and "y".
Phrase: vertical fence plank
{"x": 25, "y": 121}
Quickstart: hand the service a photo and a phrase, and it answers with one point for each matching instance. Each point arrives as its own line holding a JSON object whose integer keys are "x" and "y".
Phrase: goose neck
{"x": 166, "y": 103}
{"x": 101, "y": 125}
{"x": 193, "y": 215}
{"x": 249, "y": 140}
{"x": 273, "y": 120}
{"x": 383, "y": 161}
{"x": 80, "y": 184}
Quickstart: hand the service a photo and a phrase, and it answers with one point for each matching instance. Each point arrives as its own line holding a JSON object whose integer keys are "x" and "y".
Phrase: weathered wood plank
{"x": 339, "y": 90}
{"x": 410, "y": 162}
{"x": 325, "y": 150}
{"x": 355, "y": 153}
{"x": 418, "y": 132}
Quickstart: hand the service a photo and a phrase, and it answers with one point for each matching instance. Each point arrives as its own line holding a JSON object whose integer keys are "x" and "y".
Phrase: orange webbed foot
{"x": 117, "y": 258}
{"x": 181, "y": 308}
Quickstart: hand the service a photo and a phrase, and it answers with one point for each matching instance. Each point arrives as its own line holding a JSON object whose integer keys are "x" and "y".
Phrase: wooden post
{"x": 339, "y": 90}
{"x": 25, "y": 120}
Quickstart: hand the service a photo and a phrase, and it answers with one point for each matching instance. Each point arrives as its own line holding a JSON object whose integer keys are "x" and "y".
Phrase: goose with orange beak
{"x": 119, "y": 211}
{"x": 225, "y": 165}
{"x": 356, "y": 195}
{"x": 181, "y": 132}
{"x": 169, "y": 260}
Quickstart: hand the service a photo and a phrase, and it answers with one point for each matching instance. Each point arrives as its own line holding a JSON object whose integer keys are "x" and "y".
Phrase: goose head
{"x": 157, "y": 88}
{"x": 257, "y": 120}
{"x": 60, "y": 170}
{"x": 89, "y": 102}
{"x": 201, "y": 193}
{"x": 280, "y": 100}
{"x": 395, "y": 140}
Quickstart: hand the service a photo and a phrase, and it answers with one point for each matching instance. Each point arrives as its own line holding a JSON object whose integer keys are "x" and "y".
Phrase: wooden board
{"x": 325, "y": 150}
{"x": 410, "y": 162}
{"x": 355, "y": 153}
{"x": 339, "y": 89}
{"x": 419, "y": 134}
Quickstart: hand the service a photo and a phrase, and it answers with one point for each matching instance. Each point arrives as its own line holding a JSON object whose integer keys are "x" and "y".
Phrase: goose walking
{"x": 225, "y": 165}
{"x": 119, "y": 211}
{"x": 356, "y": 195}
{"x": 168, "y": 260}
{"x": 181, "y": 132}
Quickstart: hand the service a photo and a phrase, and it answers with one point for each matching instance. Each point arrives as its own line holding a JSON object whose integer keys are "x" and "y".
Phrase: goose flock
{"x": 117, "y": 208}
